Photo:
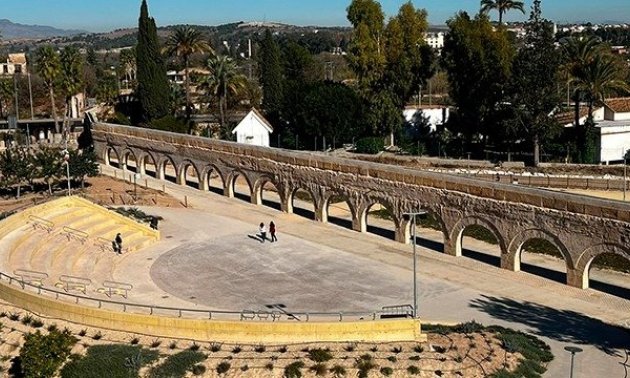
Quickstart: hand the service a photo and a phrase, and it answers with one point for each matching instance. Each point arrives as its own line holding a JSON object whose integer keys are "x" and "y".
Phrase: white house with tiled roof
{"x": 15, "y": 64}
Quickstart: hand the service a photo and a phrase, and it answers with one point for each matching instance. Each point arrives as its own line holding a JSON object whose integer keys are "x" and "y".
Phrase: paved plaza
{"x": 210, "y": 258}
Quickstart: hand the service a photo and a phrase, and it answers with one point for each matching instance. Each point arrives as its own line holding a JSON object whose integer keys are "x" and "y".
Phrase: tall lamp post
{"x": 66, "y": 159}
{"x": 413, "y": 216}
{"x": 573, "y": 350}
{"x": 136, "y": 177}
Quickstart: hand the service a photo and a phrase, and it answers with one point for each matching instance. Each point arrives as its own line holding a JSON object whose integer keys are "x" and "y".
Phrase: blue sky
{"x": 102, "y": 15}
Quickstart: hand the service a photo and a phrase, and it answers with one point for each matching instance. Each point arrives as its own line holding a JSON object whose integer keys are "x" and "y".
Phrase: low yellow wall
{"x": 214, "y": 330}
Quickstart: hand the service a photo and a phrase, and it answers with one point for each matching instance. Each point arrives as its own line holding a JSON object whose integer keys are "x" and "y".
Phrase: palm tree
{"x": 184, "y": 42}
{"x": 501, "y": 6}
{"x": 599, "y": 77}
{"x": 49, "y": 68}
{"x": 128, "y": 64}
{"x": 70, "y": 80}
{"x": 578, "y": 53}
{"x": 224, "y": 79}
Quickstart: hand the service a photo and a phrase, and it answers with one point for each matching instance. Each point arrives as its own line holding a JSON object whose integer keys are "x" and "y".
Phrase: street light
{"x": 413, "y": 216}
{"x": 66, "y": 160}
{"x": 573, "y": 350}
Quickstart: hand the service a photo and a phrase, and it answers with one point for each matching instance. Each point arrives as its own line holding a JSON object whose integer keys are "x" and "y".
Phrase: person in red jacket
{"x": 272, "y": 231}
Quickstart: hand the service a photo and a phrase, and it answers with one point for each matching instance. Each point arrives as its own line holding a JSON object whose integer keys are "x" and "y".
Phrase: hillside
{"x": 12, "y": 31}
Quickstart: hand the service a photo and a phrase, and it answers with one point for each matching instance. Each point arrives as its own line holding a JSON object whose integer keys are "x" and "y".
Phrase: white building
{"x": 613, "y": 122}
{"x": 254, "y": 129}
{"x": 615, "y": 130}
{"x": 435, "y": 39}
{"x": 16, "y": 64}
{"x": 437, "y": 115}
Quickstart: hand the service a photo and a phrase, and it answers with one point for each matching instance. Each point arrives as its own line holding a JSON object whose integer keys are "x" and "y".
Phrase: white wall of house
{"x": 253, "y": 130}
{"x": 437, "y": 116}
{"x": 615, "y": 141}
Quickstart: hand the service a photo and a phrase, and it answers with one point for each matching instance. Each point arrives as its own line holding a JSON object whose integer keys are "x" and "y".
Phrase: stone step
{"x": 40, "y": 259}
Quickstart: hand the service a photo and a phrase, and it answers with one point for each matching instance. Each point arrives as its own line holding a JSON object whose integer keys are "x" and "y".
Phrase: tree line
{"x": 44, "y": 168}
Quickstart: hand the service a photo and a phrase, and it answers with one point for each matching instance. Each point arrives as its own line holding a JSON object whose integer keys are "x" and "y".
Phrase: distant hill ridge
{"x": 11, "y": 30}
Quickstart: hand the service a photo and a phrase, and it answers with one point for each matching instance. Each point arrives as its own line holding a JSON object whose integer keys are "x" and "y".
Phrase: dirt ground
{"x": 105, "y": 191}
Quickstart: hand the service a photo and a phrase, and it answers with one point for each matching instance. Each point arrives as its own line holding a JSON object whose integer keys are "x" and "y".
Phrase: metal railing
{"x": 41, "y": 223}
{"x": 31, "y": 276}
{"x": 135, "y": 308}
{"x": 78, "y": 235}
{"x": 119, "y": 288}
{"x": 75, "y": 283}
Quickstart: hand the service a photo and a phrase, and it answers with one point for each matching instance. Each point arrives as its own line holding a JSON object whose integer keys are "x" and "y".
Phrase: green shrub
{"x": 387, "y": 371}
{"x": 469, "y": 327}
{"x": 397, "y": 350}
{"x": 27, "y": 319}
{"x": 319, "y": 369}
{"x": 260, "y": 348}
{"x": 418, "y": 348}
{"x": 177, "y": 365}
{"x": 350, "y": 347}
{"x": 200, "y": 370}
{"x": 338, "y": 371}
{"x": 97, "y": 336}
{"x": 414, "y": 358}
{"x": 320, "y": 355}
{"x": 282, "y": 349}
{"x": 392, "y": 359}
{"x": 134, "y": 341}
{"x": 41, "y": 355}
{"x": 237, "y": 349}
{"x": 215, "y": 347}
{"x": 14, "y": 317}
{"x": 413, "y": 370}
{"x": 536, "y": 353}
{"x": 155, "y": 343}
{"x": 170, "y": 123}
{"x": 244, "y": 368}
{"x": 37, "y": 323}
{"x": 374, "y": 349}
{"x": 269, "y": 366}
{"x": 82, "y": 332}
{"x": 110, "y": 361}
{"x": 364, "y": 364}
{"x": 294, "y": 370}
{"x": 119, "y": 119}
{"x": 223, "y": 367}
{"x": 371, "y": 145}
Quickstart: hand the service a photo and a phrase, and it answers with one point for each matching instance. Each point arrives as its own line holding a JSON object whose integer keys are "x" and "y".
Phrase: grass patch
{"x": 387, "y": 371}
{"x": 320, "y": 355}
{"x": 294, "y": 370}
{"x": 109, "y": 361}
{"x": 177, "y": 365}
{"x": 338, "y": 371}
{"x": 223, "y": 367}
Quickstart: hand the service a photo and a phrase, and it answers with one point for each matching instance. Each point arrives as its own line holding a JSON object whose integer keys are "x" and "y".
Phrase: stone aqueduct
{"x": 580, "y": 227}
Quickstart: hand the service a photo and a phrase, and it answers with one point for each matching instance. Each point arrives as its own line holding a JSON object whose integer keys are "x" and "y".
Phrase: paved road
{"x": 212, "y": 261}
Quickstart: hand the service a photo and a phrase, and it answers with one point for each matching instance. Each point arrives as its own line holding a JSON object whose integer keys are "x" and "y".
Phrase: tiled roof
{"x": 566, "y": 118}
{"x": 619, "y": 105}
{"x": 19, "y": 58}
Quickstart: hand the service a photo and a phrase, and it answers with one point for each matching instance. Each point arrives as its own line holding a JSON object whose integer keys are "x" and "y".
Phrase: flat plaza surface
{"x": 210, "y": 258}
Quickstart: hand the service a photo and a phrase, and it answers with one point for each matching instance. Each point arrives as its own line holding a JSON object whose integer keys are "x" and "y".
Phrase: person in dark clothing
{"x": 272, "y": 231}
{"x": 118, "y": 241}
{"x": 263, "y": 232}
{"x": 154, "y": 223}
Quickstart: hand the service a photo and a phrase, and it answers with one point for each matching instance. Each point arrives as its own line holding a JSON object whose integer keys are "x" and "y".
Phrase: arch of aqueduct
{"x": 580, "y": 227}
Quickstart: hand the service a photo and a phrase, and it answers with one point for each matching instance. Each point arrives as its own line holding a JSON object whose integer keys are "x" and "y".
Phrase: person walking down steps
{"x": 263, "y": 232}
{"x": 272, "y": 231}
{"x": 118, "y": 242}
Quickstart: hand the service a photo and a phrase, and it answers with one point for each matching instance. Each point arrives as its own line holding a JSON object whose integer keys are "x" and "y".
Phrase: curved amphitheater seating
{"x": 69, "y": 236}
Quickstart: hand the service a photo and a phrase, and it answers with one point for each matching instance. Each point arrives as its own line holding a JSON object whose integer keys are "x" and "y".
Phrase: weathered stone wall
{"x": 581, "y": 227}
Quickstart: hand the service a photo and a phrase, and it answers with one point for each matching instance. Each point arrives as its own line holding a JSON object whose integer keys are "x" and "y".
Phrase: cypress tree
{"x": 153, "y": 88}
{"x": 271, "y": 77}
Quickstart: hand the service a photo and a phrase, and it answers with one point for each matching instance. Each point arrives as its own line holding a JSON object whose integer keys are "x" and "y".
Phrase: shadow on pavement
{"x": 384, "y": 232}
{"x": 272, "y": 204}
{"x": 309, "y": 214}
{"x": 341, "y": 222}
{"x": 560, "y": 325}
{"x": 618, "y": 291}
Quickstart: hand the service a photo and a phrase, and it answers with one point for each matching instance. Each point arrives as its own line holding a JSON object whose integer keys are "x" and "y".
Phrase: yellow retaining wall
{"x": 215, "y": 330}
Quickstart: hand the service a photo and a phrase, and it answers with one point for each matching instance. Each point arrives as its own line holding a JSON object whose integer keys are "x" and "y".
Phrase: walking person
{"x": 272, "y": 231}
{"x": 118, "y": 241}
{"x": 263, "y": 232}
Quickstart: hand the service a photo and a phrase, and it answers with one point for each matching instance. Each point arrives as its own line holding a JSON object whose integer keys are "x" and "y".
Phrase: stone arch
{"x": 454, "y": 244}
{"x": 290, "y": 200}
{"x": 125, "y": 159}
{"x": 512, "y": 259}
{"x": 363, "y": 213}
{"x": 353, "y": 208}
{"x": 257, "y": 197}
{"x": 405, "y": 231}
{"x": 231, "y": 179}
{"x": 142, "y": 164}
{"x": 183, "y": 168}
{"x": 206, "y": 179}
{"x": 579, "y": 276}
{"x": 163, "y": 162}
{"x": 108, "y": 156}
